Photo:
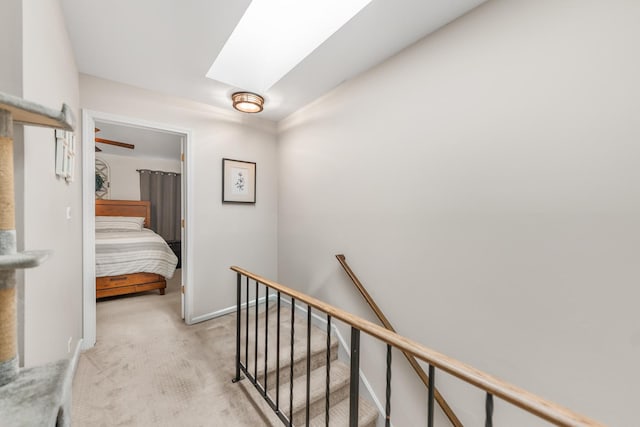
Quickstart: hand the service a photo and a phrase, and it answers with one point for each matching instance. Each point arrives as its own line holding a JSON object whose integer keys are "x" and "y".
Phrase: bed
{"x": 129, "y": 260}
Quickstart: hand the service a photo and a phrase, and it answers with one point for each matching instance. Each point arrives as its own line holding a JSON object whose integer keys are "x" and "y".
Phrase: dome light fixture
{"x": 247, "y": 102}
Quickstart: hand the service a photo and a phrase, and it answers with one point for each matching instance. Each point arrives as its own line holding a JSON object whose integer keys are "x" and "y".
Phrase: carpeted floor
{"x": 150, "y": 369}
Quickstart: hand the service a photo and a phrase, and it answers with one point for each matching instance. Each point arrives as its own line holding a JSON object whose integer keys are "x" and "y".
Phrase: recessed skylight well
{"x": 274, "y": 36}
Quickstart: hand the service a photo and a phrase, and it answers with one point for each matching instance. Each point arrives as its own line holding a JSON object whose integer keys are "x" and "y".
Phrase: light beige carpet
{"x": 150, "y": 369}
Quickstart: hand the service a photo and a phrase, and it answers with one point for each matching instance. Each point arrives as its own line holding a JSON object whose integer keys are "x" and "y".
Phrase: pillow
{"x": 119, "y": 223}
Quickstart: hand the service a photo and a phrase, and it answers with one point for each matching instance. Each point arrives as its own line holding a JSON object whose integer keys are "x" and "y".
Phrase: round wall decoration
{"x": 102, "y": 179}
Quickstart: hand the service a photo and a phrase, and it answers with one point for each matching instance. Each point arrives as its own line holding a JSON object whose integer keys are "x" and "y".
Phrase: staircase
{"x": 258, "y": 328}
{"x": 278, "y": 382}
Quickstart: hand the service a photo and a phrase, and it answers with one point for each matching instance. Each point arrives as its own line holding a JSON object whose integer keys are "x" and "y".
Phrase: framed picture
{"x": 65, "y": 154}
{"x": 238, "y": 181}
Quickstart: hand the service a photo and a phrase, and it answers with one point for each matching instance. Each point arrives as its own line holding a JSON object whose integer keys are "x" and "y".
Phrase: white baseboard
{"x": 76, "y": 356}
{"x": 86, "y": 344}
{"x": 228, "y": 310}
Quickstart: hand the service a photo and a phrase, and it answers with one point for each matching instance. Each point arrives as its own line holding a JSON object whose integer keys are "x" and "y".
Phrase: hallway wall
{"x": 53, "y": 291}
{"x": 484, "y": 185}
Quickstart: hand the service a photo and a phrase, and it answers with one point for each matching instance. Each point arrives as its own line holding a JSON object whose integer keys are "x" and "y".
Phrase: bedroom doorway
{"x": 167, "y": 150}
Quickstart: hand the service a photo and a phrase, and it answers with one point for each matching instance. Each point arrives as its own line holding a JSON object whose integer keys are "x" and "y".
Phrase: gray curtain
{"x": 163, "y": 190}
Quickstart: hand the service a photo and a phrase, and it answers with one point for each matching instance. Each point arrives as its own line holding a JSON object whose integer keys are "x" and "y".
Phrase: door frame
{"x": 89, "y": 118}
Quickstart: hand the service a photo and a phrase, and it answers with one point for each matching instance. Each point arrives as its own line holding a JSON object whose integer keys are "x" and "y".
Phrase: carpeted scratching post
{"x": 36, "y": 396}
{"x": 8, "y": 325}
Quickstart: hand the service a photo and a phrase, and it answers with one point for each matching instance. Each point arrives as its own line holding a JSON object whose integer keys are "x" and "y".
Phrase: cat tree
{"x": 35, "y": 396}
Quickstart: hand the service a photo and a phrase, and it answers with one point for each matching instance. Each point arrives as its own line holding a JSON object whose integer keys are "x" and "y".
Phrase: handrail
{"x": 523, "y": 399}
{"x": 412, "y": 360}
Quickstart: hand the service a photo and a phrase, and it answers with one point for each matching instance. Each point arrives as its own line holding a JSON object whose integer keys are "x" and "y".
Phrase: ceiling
{"x": 169, "y": 45}
{"x": 148, "y": 142}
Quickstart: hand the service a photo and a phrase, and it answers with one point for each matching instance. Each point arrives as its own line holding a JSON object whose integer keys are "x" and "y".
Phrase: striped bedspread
{"x": 126, "y": 252}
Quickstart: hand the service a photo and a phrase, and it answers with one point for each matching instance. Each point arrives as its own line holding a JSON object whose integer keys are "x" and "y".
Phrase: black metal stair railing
{"x": 493, "y": 387}
{"x": 242, "y": 366}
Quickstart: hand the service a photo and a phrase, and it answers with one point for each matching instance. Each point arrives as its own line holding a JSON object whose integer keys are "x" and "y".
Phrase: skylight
{"x": 274, "y": 36}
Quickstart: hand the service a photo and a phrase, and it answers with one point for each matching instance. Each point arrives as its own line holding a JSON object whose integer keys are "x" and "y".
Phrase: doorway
{"x": 92, "y": 120}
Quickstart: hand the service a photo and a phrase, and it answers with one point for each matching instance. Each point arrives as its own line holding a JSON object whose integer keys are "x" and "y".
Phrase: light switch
{"x": 68, "y": 212}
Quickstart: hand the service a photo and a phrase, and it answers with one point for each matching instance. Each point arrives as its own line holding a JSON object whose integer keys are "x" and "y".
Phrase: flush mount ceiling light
{"x": 247, "y": 102}
{"x": 274, "y": 36}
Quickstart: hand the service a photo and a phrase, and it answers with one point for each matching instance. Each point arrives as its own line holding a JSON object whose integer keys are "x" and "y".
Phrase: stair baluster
{"x": 293, "y": 312}
{"x": 489, "y": 411}
{"x": 328, "y": 381}
{"x": 306, "y": 416}
{"x": 246, "y": 326}
{"x": 266, "y": 336}
{"x": 432, "y": 387}
{"x": 255, "y": 334}
{"x": 354, "y": 385}
{"x": 238, "y": 316}
{"x": 278, "y": 357}
{"x": 387, "y": 414}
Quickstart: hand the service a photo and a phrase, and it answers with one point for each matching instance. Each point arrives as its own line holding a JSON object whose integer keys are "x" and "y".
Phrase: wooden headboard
{"x": 125, "y": 208}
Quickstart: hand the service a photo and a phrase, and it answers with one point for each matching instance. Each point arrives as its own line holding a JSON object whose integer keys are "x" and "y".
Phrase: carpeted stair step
{"x": 338, "y": 391}
{"x": 339, "y": 375}
{"x": 318, "y": 345}
{"x": 339, "y": 415}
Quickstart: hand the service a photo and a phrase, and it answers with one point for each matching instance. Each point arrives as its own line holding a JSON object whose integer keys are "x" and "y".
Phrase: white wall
{"x": 225, "y": 235}
{"x": 11, "y": 53}
{"x": 53, "y": 292}
{"x": 11, "y": 83}
{"x": 485, "y": 186}
{"x": 124, "y": 180}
